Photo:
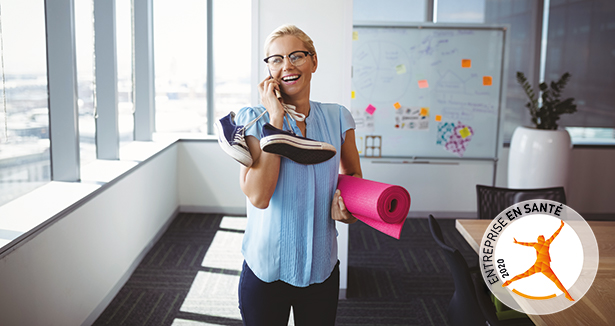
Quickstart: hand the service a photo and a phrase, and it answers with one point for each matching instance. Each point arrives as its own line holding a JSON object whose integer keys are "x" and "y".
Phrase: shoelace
{"x": 291, "y": 110}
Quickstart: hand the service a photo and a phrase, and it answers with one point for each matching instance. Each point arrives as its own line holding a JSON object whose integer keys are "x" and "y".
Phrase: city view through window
{"x": 180, "y": 70}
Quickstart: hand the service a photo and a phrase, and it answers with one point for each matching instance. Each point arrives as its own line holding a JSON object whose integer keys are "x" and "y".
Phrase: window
{"x": 24, "y": 130}
{"x": 232, "y": 87}
{"x": 581, "y": 41}
{"x": 180, "y": 55}
{"x": 522, "y": 17}
{"x": 467, "y": 11}
{"x": 390, "y": 11}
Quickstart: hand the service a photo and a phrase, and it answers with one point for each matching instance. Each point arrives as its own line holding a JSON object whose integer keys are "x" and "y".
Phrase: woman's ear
{"x": 315, "y": 60}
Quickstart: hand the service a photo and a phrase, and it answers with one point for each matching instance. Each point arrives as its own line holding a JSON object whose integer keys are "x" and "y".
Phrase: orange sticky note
{"x": 438, "y": 117}
{"x": 487, "y": 80}
{"x": 423, "y": 83}
{"x": 424, "y": 112}
{"x": 397, "y": 105}
{"x": 466, "y": 63}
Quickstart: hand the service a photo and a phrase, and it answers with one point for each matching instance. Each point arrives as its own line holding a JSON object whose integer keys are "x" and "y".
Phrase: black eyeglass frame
{"x": 306, "y": 53}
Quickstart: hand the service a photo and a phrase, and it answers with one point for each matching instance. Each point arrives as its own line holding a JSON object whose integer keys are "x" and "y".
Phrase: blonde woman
{"x": 290, "y": 243}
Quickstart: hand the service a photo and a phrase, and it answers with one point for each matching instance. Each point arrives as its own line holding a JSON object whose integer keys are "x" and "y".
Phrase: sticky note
{"x": 487, "y": 81}
{"x": 370, "y": 109}
{"x": 401, "y": 69}
{"x": 352, "y": 94}
{"x": 438, "y": 117}
{"x": 423, "y": 83}
{"x": 466, "y": 63}
{"x": 465, "y": 132}
{"x": 355, "y": 36}
{"x": 424, "y": 112}
{"x": 397, "y": 105}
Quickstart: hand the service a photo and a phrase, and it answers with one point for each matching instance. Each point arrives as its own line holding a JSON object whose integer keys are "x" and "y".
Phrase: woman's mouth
{"x": 290, "y": 79}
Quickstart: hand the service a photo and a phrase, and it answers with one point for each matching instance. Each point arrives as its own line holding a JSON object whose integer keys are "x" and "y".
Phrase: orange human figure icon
{"x": 543, "y": 261}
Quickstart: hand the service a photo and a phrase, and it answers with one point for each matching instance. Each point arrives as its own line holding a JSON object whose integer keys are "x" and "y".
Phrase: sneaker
{"x": 299, "y": 149}
{"x": 231, "y": 139}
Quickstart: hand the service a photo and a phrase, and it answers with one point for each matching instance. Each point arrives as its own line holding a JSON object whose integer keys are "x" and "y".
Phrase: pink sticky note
{"x": 370, "y": 109}
{"x": 423, "y": 83}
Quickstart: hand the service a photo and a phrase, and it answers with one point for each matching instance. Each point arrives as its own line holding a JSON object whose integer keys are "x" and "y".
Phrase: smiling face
{"x": 294, "y": 81}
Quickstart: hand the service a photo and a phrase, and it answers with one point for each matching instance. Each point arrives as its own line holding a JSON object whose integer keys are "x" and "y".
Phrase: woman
{"x": 290, "y": 245}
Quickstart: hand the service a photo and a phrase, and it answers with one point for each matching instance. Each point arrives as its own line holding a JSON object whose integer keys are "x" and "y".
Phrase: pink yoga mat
{"x": 379, "y": 205}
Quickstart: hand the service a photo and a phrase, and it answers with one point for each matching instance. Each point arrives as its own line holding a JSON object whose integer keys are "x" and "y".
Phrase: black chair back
{"x": 491, "y": 201}
{"x": 464, "y": 308}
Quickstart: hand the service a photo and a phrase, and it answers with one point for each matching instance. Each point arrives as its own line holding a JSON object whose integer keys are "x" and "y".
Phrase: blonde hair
{"x": 290, "y": 30}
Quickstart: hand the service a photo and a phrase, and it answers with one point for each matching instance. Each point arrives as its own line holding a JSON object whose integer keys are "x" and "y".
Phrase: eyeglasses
{"x": 297, "y": 58}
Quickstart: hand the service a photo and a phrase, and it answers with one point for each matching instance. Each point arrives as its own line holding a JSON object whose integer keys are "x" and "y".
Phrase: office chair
{"x": 493, "y": 200}
{"x": 470, "y": 304}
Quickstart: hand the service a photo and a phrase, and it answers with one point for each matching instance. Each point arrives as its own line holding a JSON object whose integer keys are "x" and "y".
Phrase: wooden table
{"x": 597, "y": 307}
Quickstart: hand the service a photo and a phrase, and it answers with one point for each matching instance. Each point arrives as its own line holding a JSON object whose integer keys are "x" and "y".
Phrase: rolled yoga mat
{"x": 379, "y": 205}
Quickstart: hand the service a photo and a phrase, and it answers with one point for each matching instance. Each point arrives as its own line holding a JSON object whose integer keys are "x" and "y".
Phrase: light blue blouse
{"x": 294, "y": 239}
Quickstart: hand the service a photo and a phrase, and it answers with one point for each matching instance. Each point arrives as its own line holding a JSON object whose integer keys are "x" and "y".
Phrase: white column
{"x": 144, "y": 70}
{"x": 62, "y": 85}
{"x": 107, "y": 129}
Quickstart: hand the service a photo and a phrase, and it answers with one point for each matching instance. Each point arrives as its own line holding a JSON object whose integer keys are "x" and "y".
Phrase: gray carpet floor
{"x": 190, "y": 276}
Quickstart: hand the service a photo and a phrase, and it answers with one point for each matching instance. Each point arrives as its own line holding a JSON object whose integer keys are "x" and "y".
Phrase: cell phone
{"x": 276, "y": 91}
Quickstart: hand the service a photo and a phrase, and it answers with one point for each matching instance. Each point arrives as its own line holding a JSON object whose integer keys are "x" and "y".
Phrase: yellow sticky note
{"x": 424, "y": 112}
{"x": 487, "y": 80}
{"x": 438, "y": 117}
{"x": 355, "y": 36}
{"x": 466, "y": 63}
{"x": 401, "y": 69}
{"x": 397, "y": 105}
{"x": 465, "y": 132}
{"x": 352, "y": 94}
{"x": 423, "y": 83}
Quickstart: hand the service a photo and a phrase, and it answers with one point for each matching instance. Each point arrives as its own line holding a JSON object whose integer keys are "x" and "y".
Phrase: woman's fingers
{"x": 342, "y": 205}
{"x": 267, "y": 86}
{"x": 339, "y": 211}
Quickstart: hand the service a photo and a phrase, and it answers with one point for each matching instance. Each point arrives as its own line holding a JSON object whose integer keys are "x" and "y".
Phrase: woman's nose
{"x": 287, "y": 64}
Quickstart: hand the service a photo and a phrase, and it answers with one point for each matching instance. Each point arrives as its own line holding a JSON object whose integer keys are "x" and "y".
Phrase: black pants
{"x": 268, "y": 304}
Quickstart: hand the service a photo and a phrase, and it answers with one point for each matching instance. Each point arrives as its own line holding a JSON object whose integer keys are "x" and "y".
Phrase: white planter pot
{"x": 538, "y": 158}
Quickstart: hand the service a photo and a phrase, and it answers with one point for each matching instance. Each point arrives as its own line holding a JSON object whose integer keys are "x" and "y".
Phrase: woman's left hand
{"x": 339, "y": 211}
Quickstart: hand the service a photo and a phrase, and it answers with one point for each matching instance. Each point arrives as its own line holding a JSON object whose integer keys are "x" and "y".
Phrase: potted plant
{"x": 539, "y": 155}
{"x": 546, "y": 116}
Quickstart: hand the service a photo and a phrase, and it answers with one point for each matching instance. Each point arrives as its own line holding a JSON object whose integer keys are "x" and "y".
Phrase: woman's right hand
{"x": 271, "y": 102}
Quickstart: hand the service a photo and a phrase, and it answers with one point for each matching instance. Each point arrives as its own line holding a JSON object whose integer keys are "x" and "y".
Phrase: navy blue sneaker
{"x": 299, "y": 149}
{"x": 231, "y": 139}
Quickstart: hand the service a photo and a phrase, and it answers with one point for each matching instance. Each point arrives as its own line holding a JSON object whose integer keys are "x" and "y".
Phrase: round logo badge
{"x": 538, "y": 257}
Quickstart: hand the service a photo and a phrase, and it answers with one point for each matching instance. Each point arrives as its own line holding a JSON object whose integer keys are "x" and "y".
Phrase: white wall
{"x": 68, "y": 272}
{"x": 208, "y": 179}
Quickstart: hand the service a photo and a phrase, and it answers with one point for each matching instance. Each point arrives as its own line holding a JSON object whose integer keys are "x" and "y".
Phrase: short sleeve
{"x": 347, "y": 121}
{"x": 247, "y": 115}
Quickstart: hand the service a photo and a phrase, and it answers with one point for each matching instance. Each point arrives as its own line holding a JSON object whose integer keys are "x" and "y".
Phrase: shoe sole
{"x": 238, "y": 155}
{"x": 303, "y": 152}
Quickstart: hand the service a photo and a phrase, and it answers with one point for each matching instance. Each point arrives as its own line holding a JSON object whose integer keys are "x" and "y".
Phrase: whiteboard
{"x": 427, "y": 90}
